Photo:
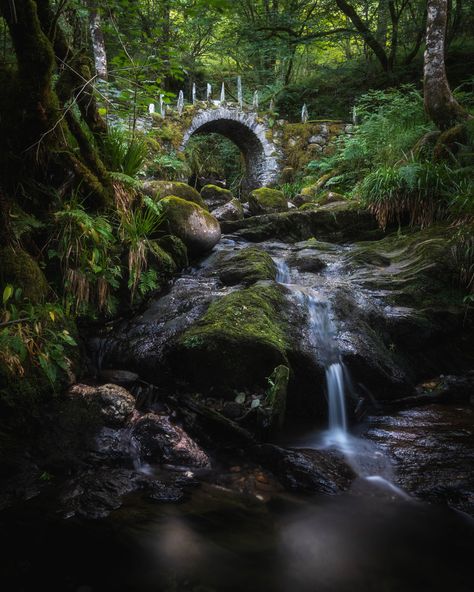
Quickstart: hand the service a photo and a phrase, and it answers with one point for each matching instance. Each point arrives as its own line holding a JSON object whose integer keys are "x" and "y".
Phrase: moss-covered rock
{"x": 215, "y": 196}
{"x": 161, "y": 189}
{"x": 175, "y": 247}
{"x": 247, "y": 267}
{"x": 237, "y": 343}
{"x": 346, "y": 222}
{"x": 17, "y": 267}
{"x": 198, "y": 230}
{"x": 232, "y": 210}
{"x": 267, "y": 201}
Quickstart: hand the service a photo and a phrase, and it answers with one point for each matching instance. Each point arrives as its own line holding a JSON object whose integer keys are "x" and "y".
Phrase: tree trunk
{"x": 440, "y": 104}
{"x": 365, "y": 32}
{"x": 97, "y": 40}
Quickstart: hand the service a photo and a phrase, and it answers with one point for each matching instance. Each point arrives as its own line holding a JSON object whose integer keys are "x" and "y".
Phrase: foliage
{"x": 33, "y": 335}
{"x": 124, "y": 155}
{"x": 168, "y": 167}
{"x": 86, "y": 248}
{"x": 136, "y": 228}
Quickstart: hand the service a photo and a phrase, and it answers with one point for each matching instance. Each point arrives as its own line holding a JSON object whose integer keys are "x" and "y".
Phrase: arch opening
{"x": 248, "y": 134}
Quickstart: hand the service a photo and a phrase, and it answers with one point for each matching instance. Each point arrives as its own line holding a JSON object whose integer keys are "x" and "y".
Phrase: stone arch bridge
{"x": 271, "y": 148}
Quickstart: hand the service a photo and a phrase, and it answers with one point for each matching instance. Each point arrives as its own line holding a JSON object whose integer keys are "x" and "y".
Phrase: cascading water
{"x": 321, "y": 337}
{"x": 364, "y": 458}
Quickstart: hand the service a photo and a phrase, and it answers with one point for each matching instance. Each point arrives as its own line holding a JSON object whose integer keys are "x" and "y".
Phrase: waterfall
{"x": 321, "y": 332}
{"x": 180, "y": 102}
{"x": 222, "y": 93}
{"x": 240, "y": 97}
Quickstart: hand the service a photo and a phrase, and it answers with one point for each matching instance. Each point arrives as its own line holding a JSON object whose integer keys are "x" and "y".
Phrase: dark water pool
{"x": 365, "y": 540}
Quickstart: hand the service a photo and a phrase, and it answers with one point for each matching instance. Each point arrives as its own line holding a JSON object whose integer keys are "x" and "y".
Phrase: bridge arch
{"x": 249, "y": 133}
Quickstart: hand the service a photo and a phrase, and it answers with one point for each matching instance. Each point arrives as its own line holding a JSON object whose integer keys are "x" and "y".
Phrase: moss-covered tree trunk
{"x": 35, "y": 138}
{"x": 440, "y": 104}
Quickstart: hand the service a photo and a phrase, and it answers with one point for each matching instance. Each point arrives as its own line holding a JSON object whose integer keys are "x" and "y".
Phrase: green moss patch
{"x": 267, "y": 201}
{"x": 19, "y": 268}
{"x": 237, "y": 343}
{"x": 161, "y": 189}
{"x": 247, "y": 267}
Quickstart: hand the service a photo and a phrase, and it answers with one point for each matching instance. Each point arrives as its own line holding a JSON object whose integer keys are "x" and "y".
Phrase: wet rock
{"x": 307, "y": 262}
{"x": 306, "y": 470}
{"x": 267, "y": 201}
{"x": 160, "y": 189}
{"x": 111, "y": 402}
{"x": 432, "y": 450}
{"x": 215, "y": 197}
{"x": 163, "y": 442}
{"x": 233, "y": 210}
{"x": 97, "y": 492}
{"x": 121, "y": 377}
{"x": 346, "y": 223}
{"x": 237, "y": 343}
{"x": 247, "y": 266}
{"x": 165, "y": 493}
{"x": 198, "y": 230}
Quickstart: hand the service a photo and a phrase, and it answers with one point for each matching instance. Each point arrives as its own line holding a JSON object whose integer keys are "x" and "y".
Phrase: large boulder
{"x": 215, "y": 196}
{"x": 232, "y": 210}
{"x": 113, "y": 404}
{"x": 160, "y": 189}
{"x": 237, "y": 343}
{"x": 198, "y": 230}
{"x": 267, "y": 201}
{"x": 166, "y": 443}
{"x": 345, "y": 223}
{"x": 247, "y": 266}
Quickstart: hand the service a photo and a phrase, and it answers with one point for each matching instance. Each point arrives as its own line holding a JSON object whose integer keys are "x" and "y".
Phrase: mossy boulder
{"x": 161, "y": 189}
{"x": 247, "y": 267}
{"x": 215, "y": 196}
{"x": 267, "y": 201}
{"x": 17, "y": 267}
{"x": 198, "y": 230}
{"x": 175, "y": 247}
{"x": 237, "y": 343}
{"x": 232, "y": 210}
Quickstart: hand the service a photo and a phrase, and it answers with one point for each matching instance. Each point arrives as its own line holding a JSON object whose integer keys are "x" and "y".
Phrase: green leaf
{"x": 7, "y": 293}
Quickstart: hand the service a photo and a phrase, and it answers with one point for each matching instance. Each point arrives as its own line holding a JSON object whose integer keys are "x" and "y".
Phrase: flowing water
{"x": 225, "y": 537}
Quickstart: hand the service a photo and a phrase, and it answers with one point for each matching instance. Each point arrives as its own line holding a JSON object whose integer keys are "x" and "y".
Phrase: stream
{"x": 401, "y": 526}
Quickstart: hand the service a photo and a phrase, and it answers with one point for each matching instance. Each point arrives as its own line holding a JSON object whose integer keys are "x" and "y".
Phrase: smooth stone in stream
{"x": 112, "y": 403}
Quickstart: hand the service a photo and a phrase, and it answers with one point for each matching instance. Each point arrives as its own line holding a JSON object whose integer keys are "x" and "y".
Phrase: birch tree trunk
{"x": 97, "y": 39}
{"x": 440, "y": 104}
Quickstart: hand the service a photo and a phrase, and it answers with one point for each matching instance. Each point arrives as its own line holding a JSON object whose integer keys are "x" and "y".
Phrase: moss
{"x": 19, "y": 268}
{"x": 175, "y": 247}
{"x": 267, "y": 201}
{"x": 162, "y": 262}
{"x": 247, "y": 267}
{"x": 161, "y": 189}
{"x": 215, "y": 196}
{"x": 238, "y": 342}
